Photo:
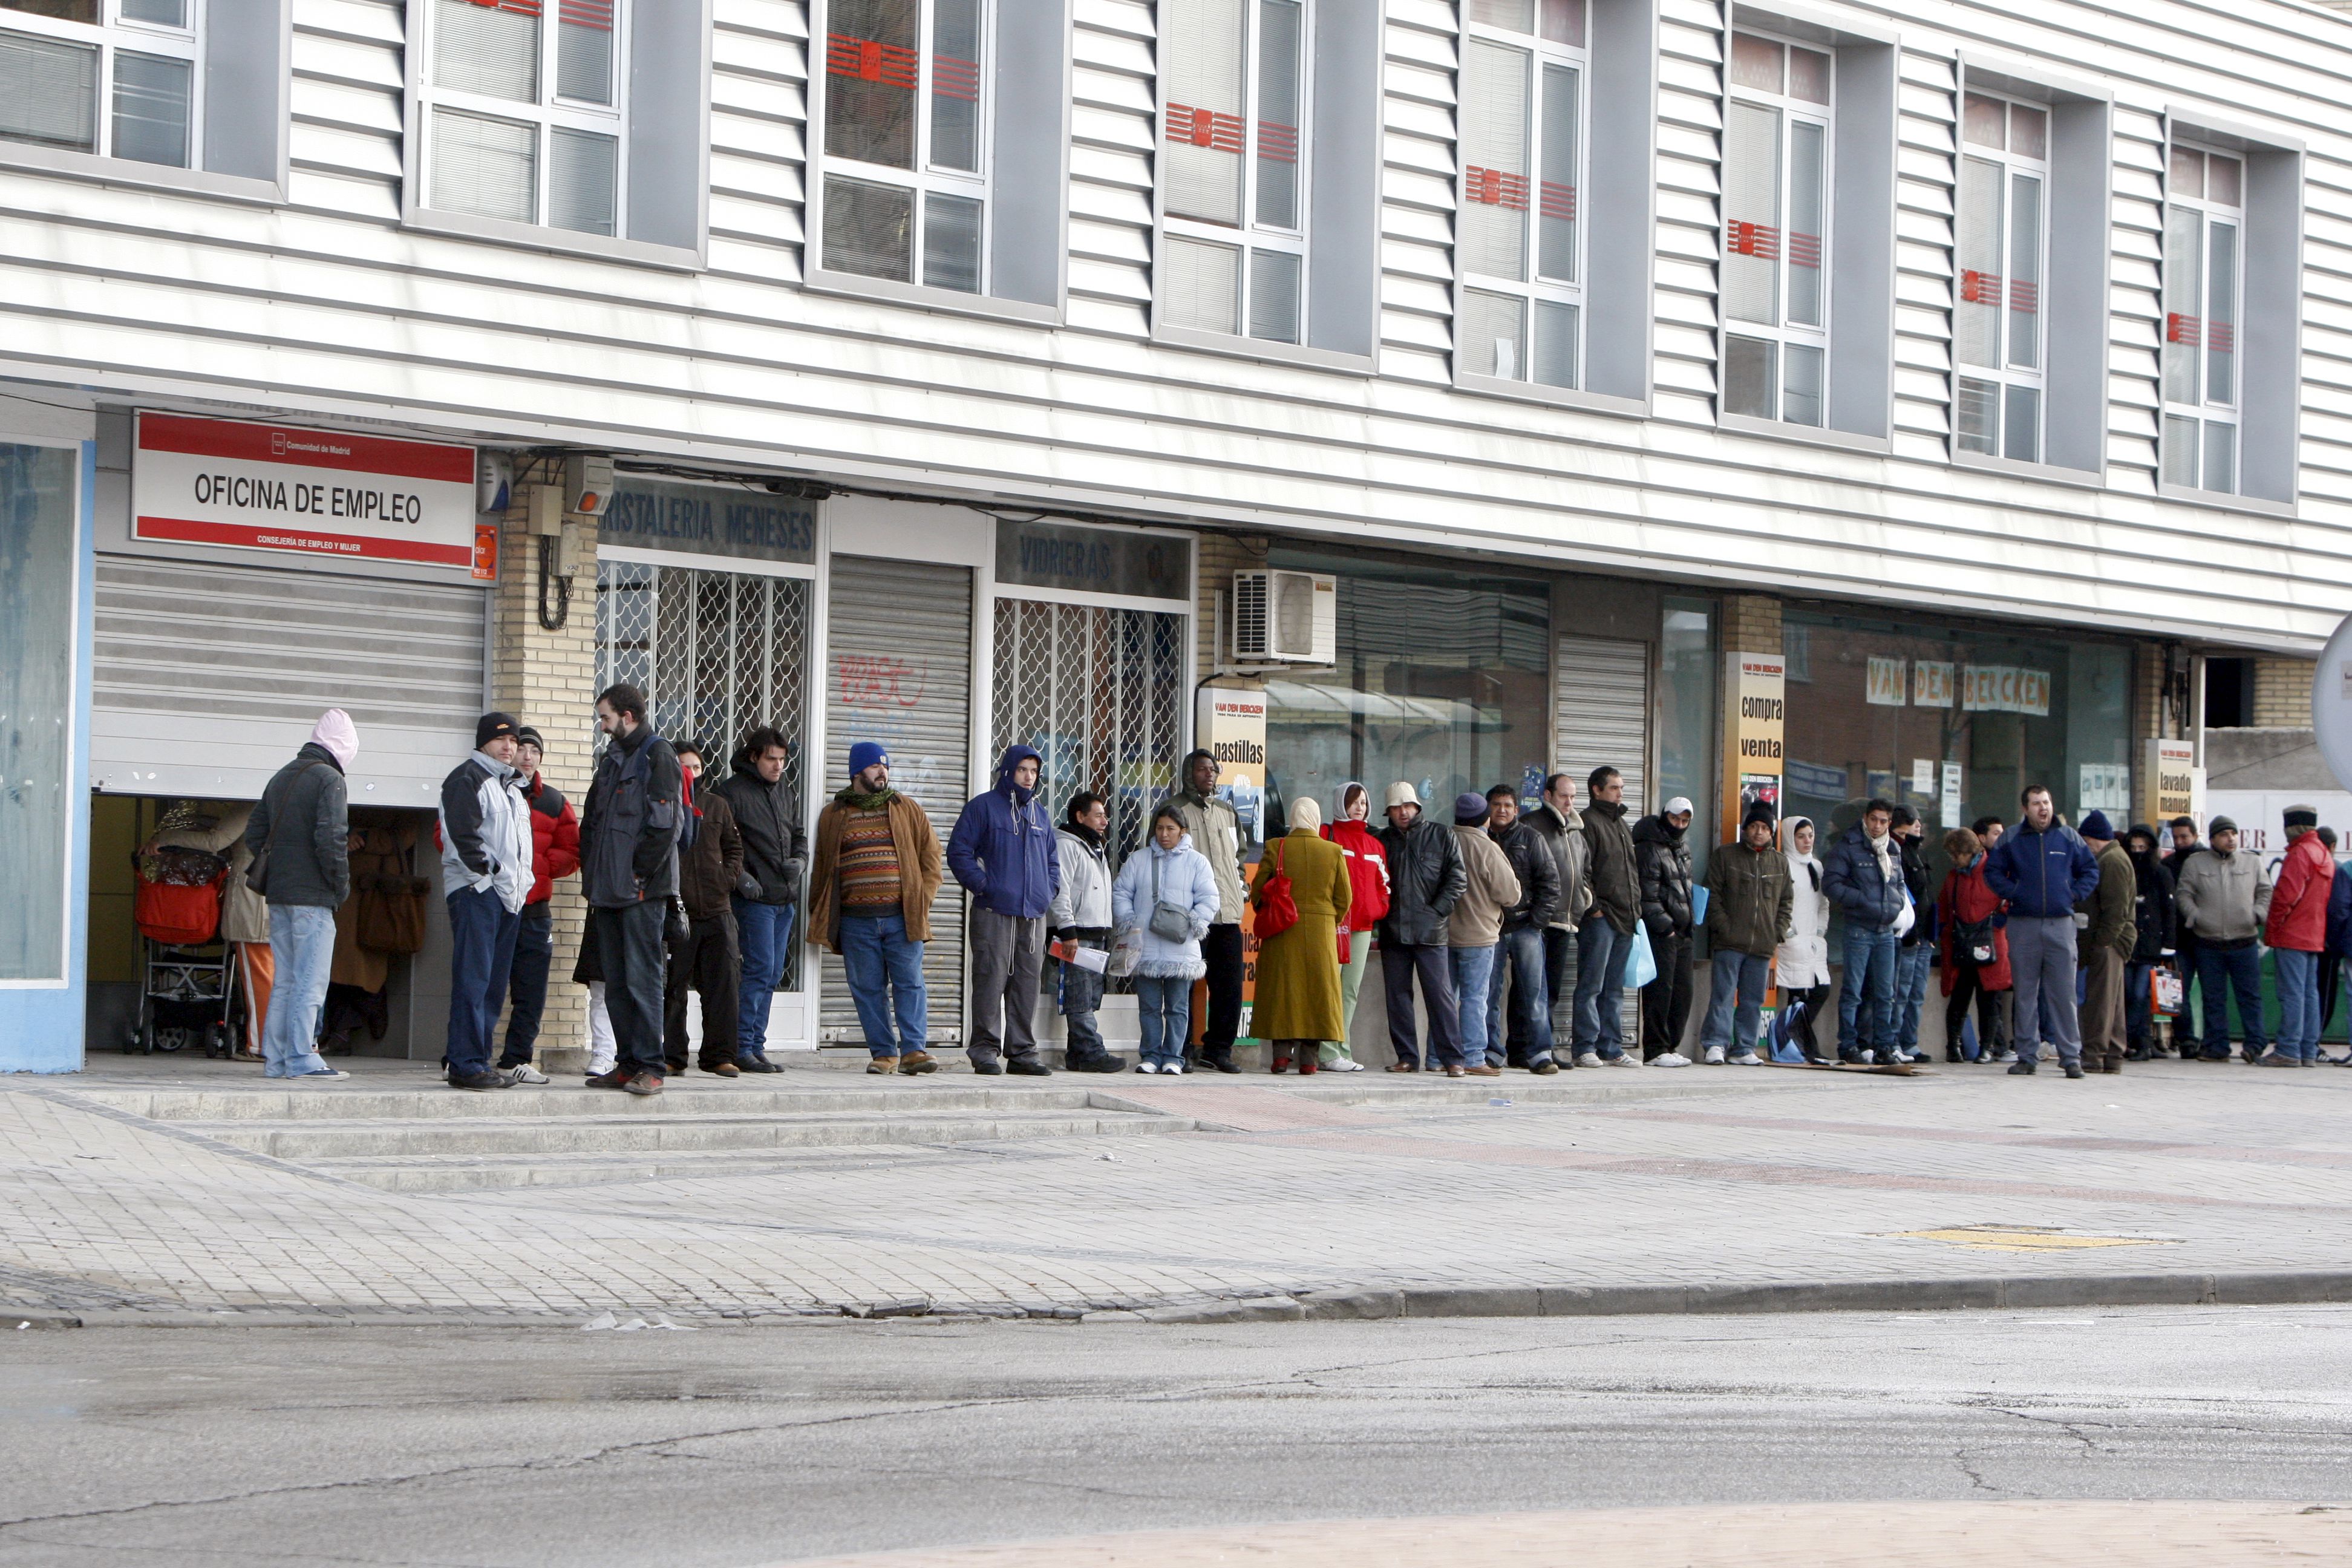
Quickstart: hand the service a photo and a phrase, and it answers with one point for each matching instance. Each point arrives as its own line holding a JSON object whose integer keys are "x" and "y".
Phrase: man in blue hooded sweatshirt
{"x": 1002, "y": 851}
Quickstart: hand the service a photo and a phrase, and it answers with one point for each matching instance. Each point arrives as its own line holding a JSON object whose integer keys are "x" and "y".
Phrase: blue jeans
{"x": 1910, "y": 992}
{"x": 2298, "y": 988}
{"x": 885, "y": 964}
{"x": 1473, "y": 971}
{"x": 765, "y": 931}
{"x": 1082, "y": 994}
{"x": 482, "y": 957}
{"x": 1737, "y": 981}
{"x": 2139, "y": 1006}
{"x": 1601, "y": 954}
{"x": 1867, "y": 992}
{"x": 1163, "y": 1004}
{"x": 1521, "y": 954}
{"x": 2220, "y": 971}
{"x": 534, "y": 951}
{"x": 301, "y": 956}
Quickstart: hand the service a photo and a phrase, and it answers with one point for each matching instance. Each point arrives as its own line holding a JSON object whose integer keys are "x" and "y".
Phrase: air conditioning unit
{"x": 1285, "y": 617}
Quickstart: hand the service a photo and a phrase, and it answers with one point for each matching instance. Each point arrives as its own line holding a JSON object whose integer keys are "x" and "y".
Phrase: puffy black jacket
{"x": 307, "y": 807}
{"x": 1915, "y": 877}
{"x": 1425, "y": 877}
{"x": 2152, "y": 908}
{"x": 1538, "y": 869}
{"x": 1855, "y": 885}
{"x": 1616, "y": 885}
{"x": 775, "y": 850}
{"x": 1662, "y": 856}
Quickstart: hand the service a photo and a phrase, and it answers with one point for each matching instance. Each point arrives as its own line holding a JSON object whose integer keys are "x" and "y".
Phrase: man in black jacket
{"x": 1522, "y": 946}
{"x": 1425, "y": 877}
{"x": 300, "y": 837}
{"x": 1605, "y": 939}
{"x": 1663, "y": 858}
{"x": 1912, "y": 949}
{"x": 775, "y": 852}
{"x": 628, "y": 870}
{"x": 707, "y": 963}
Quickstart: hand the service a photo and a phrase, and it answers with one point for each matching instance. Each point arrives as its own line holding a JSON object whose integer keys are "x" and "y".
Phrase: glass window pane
{"x": 1977, "y": 418}
{"x": 1976, "y": 307}
{"x": 1754, "y": 62}
{"x": 955, "y": 85}
{"x": 487, "y": 49}
{"x": 1514, "y": 16}
{"x": 584, "y": 51}
{"x": 1494, "y": 223}
{"x": 2179, "y": 451}
{"x": 2028, "y": 131}
{"x": 484, "y": 166}
{"x": 1201, "y": 56}
{"x": 2022, "y": 425}
{"x": 1808, "y": 175}
{"x": 583, "y": 180}
{"x": 1555, "y": 346}
{"x": 1751, "y": 377}
{"x": 1984, "y": 121}
{"x": 2222, "y": 180}
{"x": 2184, "y": 289}
{"x": 1202, "y": 285}
{"x": 951, "y": 229}
{"x": 869, "y": 229}
{"x": 1274, "y": 296}
{"x": 39, "y": 524}
{"x": 1800, "y": 397}
{"x": 2220, "y": 458}
{"x": 1555, "y": 212}
{"x": 161, "y": 13}
{"x": 49, "y": 93}
{"x": 1563, "y": 21}
{"x": 1280, "y": 57}
{"x": 2221, "y": 318}
{"x": 872, "y": 60}
{"x": 1751, "y": 214}
{"x": 151, "y": 109}
{"x": 2187, "y": 172}
{"x": 1494, "y": 334}
{"x": 1809, "y": 75}
{"x": 2025, "y": 271}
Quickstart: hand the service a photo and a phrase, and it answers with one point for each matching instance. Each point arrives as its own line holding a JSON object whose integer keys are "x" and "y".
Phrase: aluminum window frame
{"x": 1782, "y": 333}
{"x": 112, "y": 36}
{"x": 2200, "y": 414}
{"x": 2005, "y": 375}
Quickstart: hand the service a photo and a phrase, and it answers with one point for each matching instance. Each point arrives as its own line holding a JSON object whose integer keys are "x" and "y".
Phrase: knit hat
{"x": 491, "y": 726}
{"x": 336, "y": 731}
{"x": 2096, "y": 825}
{"x": 866, "y": 754}
{"x": 1306, "y": 813}
{"x": 2219, "y": 825}
{"x": 527, "y": 736}
{"x": 1758, "y": 811}
{"x": 1400, "y": 794}
{"x": 2303, "y": 816}
{"x": 1469, "y": 808}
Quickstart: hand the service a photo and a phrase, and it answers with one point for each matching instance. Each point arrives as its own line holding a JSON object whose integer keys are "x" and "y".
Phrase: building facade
{"x": 1957, "y": 380}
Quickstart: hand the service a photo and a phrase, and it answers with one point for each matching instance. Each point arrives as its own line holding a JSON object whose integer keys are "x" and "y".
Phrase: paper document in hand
{"x": 1092, "y": 958}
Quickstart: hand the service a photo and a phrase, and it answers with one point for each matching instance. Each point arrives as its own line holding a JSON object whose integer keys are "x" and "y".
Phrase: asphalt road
{"x": 204, "y": 1449}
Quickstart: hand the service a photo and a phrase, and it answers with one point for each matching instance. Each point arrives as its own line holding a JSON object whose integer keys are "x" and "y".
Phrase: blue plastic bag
{"x": 1641, "y": 964}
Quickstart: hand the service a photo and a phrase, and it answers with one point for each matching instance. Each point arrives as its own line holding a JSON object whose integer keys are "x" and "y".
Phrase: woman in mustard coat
{"x": 1297, "y": 1004}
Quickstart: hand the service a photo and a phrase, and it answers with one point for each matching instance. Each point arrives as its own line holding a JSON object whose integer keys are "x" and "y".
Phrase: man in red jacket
{"x": 554, "y": 853}
{"x": 2296, "y": 933}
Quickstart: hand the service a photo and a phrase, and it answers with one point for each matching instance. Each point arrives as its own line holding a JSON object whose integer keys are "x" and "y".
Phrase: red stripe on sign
{"x": 305, "y": 448}
{"x": 304, "y": 541}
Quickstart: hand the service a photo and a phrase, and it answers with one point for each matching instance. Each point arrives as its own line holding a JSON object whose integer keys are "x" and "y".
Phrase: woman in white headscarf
{"x": 1801, "y": 965}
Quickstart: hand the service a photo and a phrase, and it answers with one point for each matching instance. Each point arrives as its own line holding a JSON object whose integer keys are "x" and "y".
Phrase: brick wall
{"x": 1751, "y": 624}
{"x": 2283, "y": 693}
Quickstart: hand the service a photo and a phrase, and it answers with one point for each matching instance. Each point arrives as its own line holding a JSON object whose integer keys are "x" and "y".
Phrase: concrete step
{"x": 431, "y": 1100}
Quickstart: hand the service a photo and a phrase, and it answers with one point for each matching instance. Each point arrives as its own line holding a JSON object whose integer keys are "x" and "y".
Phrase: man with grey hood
{"x": 299, "y": 839}
{"x": 484, "y": 831}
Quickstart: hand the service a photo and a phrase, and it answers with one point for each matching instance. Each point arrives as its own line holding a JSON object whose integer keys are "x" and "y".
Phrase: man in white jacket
{"x": 485, "y": 874}
{"x": 1081, "y": 918}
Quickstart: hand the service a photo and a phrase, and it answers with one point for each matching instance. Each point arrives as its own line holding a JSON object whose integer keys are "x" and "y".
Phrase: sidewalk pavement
{"x": 1713, "y": 1189}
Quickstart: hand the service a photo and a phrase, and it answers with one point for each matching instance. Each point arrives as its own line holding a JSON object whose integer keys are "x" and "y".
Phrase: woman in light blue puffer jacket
{"x": 1163, "y": 980}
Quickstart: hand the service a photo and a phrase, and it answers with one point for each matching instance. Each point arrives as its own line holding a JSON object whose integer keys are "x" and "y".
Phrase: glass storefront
{"x": 1442, "y": 679}
{"x": 1688, "y": 751}
{"x": 37, "y": 705}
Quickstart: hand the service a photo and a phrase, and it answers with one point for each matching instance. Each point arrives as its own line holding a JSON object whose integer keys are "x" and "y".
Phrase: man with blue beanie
{"x": 1002, "y": 852}
{"x": 875, "y": 874}
{"x": 2043, "y": 869}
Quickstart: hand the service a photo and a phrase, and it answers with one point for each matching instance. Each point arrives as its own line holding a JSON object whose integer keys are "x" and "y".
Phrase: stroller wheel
{"x": 215, "y": 1041}
{"x": 171, "y": 1039}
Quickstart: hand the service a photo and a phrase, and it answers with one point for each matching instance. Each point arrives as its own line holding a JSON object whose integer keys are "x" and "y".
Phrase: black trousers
{"x": 1220, "y": 949}
{"x": 1992, "y": 1030}
{"x": 1399, "y": 965}
{"x": 526, "y": 982}
{"x": 637, "y": 971}
{"x": 1666, "y": 1001}
{"x": 710, "y": 962}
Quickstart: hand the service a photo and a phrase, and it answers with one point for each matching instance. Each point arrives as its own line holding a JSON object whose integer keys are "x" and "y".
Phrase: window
{"x": 524, "y": 118}
{"x": 2204, "y": 219}
{"x": 1997, "y": 336}
{"x": 39, "y": 518}
{"x": 1232, "y": 167}
{"x": 906, "y": 184}
{"x": 1519, "y": 236}
{"x": 114, "y": 78}
{"x": 1776, "y": 184}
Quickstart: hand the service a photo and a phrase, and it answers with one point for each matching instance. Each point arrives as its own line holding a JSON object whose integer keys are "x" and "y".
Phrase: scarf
{"x": 1084, "y": 835}
{"x": 857, "y": 800}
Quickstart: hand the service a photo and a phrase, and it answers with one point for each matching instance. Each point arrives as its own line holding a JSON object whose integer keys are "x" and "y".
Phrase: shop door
{"x": 1602, "y": 718}
{"x": 899, "y": 671}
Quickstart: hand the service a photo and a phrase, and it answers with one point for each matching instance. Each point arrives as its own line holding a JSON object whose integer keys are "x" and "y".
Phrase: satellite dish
{"x": 2331, "y": 704}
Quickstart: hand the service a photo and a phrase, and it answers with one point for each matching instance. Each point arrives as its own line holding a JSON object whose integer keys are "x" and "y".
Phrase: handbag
{"x": 1169, "y": 922}
{"x": 1277, "y": 910}
{"x": 257, "y": 873}
{"x": 390, "y": 914}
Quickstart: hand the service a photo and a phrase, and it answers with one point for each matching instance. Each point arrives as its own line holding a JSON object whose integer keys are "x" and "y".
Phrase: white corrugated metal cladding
{"x": 328, "y": 302}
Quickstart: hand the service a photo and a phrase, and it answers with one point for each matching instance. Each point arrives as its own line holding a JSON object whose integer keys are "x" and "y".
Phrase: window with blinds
{"x": 2000, "y": 235}
{"x": 1776, "y": 186}
{"x": 1517, "y": 239}
{"x": 904, "y": 191}
{"x": 2204, "y": 223}
{"x": 1234, "y": 90}
{"x": 113, "y": 77}
{"x": 522, "y": 112}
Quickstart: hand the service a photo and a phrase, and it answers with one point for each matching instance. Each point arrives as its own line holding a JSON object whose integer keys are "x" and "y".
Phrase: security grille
{"x": 1601, "y": 717}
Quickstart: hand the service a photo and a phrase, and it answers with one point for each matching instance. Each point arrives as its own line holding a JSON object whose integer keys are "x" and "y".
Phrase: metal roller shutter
{"x": 208, "y": 678}
{"x": 1601, "y": 692}
{"x": 899, "y": 670}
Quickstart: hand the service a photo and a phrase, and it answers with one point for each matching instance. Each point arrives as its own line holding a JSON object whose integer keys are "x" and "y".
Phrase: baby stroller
{"x": 188, "y": 994}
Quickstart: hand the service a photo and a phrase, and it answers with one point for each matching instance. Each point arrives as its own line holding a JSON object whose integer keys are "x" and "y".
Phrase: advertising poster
{"x": 1755, "y": 726}
{"x": 1886, "y": 688}
{"x": 1953, "y": 779}
{"x": 1231, "y": 727}
{"x": 1931, "y": 684}
{"x": 2169, "y": 781}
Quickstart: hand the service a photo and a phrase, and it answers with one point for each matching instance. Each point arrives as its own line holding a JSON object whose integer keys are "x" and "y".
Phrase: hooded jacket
{"x": 1367, "y": 866}
{"x": 1616, "y": 885}
{"x": 1662, "y": 856}
{"x": 629, "y": 832}
{"x": 554, "y": 839}
{"x": 2222, "y": 897}
{"x": 1564, "y": 832}
{"x": 1217, "y": 832}
{"x": 775, "y": 850}
{"x": 1001, "y": 848}
{"x": 1869, "y": 894}
{"x": 1537, "y": 866}
{"x": 2151, "y": 906}
{"x": 711, "y": 863}
{"x": 1914, "y": 878}
{"x": 2297, "y": 920}
{"x": 2042, "y": 872}
{"x": 1749, "y": 900}
{"x": 1082, "y": 901}
{"x": 310, "y": 864}
{"x": 1184, "y": 878}
{"x": 1802, "y": 960}
{"x": 484, "y": 830}
{"x": 1426, "y": 878}
{"x": 1489, "y": 889}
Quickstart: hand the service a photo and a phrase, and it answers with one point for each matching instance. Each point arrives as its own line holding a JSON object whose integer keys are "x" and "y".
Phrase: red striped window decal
{"x": 1805, "y": 249}
{"x": 2023, "y": 297}
{"x": 1277, "y": 142}
{"x": 952, "y": 77}
{"x": 1980, "y": 287}
{"x": 596, "y": 14}
{"x": 2180, "y": 329}
{"x": 1557, "y": 201}
{"x": 867, "y": 60}
{"x": 1760, "y": 240}
{"x": 1205, "y": 128}
{"x": 1494, "y": 188}
{"x": 2221, "y": 337}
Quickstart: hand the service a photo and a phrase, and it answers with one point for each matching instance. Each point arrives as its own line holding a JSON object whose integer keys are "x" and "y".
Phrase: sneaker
{"x": 523, "y": 1072}
{"x": 2272, "y": 1058}
{"x": 2025, "y": 1069}
{"x": 616, "y": 1078}
{"x": 1176, "y": 1069}
{"x": 1028, "y": 1066}
{"x": 1344, "y": 1064}
{"x": 2310, "y": 1061}
{"x": 1147, "y": 1067}
{"x": 2001, "y": 1057}
{"x": 1670, "y": 1060}
{"x": 914, "y": 1063}
{"x": 331, "y": 1072}
{"x": 1628, "y": 1059}
{"x": 1588, "y": 1059}
{"x": 644, "y": 1083}
{"x": 485, "y": 1079}
{"x": 1543, "y": 1067}
{"x": 1714, "y": 1057}
{"x": 882, "y": 1067}
{"x": 1747, "y": 1059}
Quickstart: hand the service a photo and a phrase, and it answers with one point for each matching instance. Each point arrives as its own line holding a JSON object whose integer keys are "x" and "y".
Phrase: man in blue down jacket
{"x": 1002, "y": 851}
{"x": 1863, "y": 878}
{"x": 2042, "y": 869}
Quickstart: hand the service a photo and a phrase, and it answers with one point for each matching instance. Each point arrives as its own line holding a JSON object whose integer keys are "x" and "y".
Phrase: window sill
{"x": 1552, "y": 397}
{"x": 2048, "y": 473}
{"x": 1233, "y": 347}
{"x": 949, "y": 302}
{"x": 1804, "y": 435}
{"x": 126, "y": 171}
{"x": 561, "y": 241}
{"x": 2222, "y": 500}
